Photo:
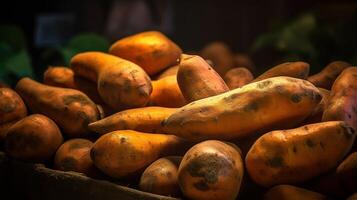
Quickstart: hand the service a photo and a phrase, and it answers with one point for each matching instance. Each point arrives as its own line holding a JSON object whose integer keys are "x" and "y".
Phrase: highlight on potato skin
{"x": 211, "y": 170}
{"x": 151, "y": 50}
{"x": 161, "y": 177}
{"x": 71, "y": 109}
{"x": 297, "y": 155}
{"x": 34, "y": 138}
{"x": 248, "y": 108}
{"x": 120, "y": 83}
{"x": 12, "y": 107}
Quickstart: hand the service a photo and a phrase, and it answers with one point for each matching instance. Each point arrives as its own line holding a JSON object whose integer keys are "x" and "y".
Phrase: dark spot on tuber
{"x": 7, "y": 108}
{"x": 201, "y": 185}
{"x": 347, "y": 131}
{"x": 68, "y": 164}
{"x": 276, "y": 162}
{"x": 251, "y": 107}
{"x": 295, "y": 98}
{"x": 264, "y": 84}
{"x": 310, "y": 143}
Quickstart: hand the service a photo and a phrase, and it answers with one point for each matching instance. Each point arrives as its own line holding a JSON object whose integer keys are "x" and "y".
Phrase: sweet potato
{"x": 173, "y": 70}
{"x": 211, "y": 170}
{"x": 70, "y": 109}
{"x": 120, "y": 83}
{"x": 343, "y": 99}
{"x": 244, "y": 60}
{"x": 197, "y": 79}
{"x": 74, "y": 155}
{"x": 220, "y": 55}
{"x": 296, "y": 155}
{"x": 166, "y": 93}
{"x": 327, "y": 76}
{"x": 341, "y": 182}
{"x": 151, "y": 50}
{"x": 147, "y": 119}
{"x": 289, "y": 192}
{"x": 11, "y": 106}
{"x": 161, "y": 177}
{"x": 278, "y": 102}
{"x": 238, "y": 77}
{"x": 125, "y": 152}
{"x": 34, "y": 138}
{"x": 316, "y": 115}
{"x": 292, "y": 69}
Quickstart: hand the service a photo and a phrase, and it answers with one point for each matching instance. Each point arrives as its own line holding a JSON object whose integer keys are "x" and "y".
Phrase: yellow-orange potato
{"x": 64, "y": 77}
{"x": 166, "y": 93}
{"x": 327, "y": 76}
{"x": 161, "y": 177}
{"x": 211, "y": 170}
{"x": 151, "y": 50}
{"x": 147, "y": 119}
{"x": 278, "y": 102}
{"x": 125, "y": 152}
{"x": 74, "y": 155}
{"x": 243, "y": 60}
{"x": 11, "y": 106}
{"x": 341, "y": 182}
{"x": 120, "y": 83}
{"x": 289, "y": 192}
{"x": 220, "y": 55}
{"x": 292, "y": 69}
{"x": 316, "y": 115}
{"x": 173, "y": 70}
{"x": 198, "y": 80}
{"x": 296, "y": 155}
{"x": 71, "y": 109}
{"x": 342, "y": 104}
{"x": 238, "y": 77}
{"x": 34, "y": 138}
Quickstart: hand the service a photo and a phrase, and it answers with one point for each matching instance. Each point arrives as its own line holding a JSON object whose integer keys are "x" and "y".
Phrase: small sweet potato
{"x": 297, "y": 155}
{"x": 292, "y": 69}
{"x": 289, "y": 192}
{"x": 125, "y": 152}
{"x": 71, "y": 109}
{"x": 120, "y": 83}
{"x": 198, "y": 80}
{"x": 211, "y": 170}
{"x": 238, "y": 77}
{"x": 279, "y": 102}
{"x": 147, "y": 119}
{"x": 244, "y": 60}
{"x": 220, "y": 55}
{"x": 74, "y": 155}
{"x": 173, "y": 70}
{"x": 11, "y": 106}
{"x": 161, "y": 177}
{"x": 166, "y": 93}
{"x": 342, "y": 104}
{"x": 327, "y": 76}
{"x": 34, "y": 138}
{"x": 151, "y": 50}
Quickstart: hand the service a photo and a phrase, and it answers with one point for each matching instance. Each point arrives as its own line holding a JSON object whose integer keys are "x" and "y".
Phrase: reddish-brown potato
{"x": 120, "y": 83}
{"x": 71, "y": 109}
{"x": 211, "y": 170}
{"x": 151, "y": 50}
{"x": 34, "y": 138}
{"x": 74, "y": 155}
{"x": 198, "y": 80}
{"x": 238, "y": 77}
{"x": 327, "y": 76}
{"x": 166, "y": 93}
{"x": 292, "y": 69}
{"x": 161, "y": 177}
{"x": 12, "y": 107}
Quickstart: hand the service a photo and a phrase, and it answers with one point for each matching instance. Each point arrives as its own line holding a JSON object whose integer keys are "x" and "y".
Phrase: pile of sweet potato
{"x": 164, "y": 122}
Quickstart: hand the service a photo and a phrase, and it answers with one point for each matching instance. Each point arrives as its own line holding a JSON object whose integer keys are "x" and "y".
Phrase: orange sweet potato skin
{"x": 297, "y": 155}
{"x": 120, "y": 83}
{"x": 342, "y": 104}
{"x": 327, "y": 76}
{"x": 238, "y": 77}
{"x": 292, "y": 69}
{"x": 166, "y": 93}
{"x": 198, "y": 80}
{"x": 12, "y": 106}
{"x": 70, "y": 109}
{"x": 151, "y": 50}
{"x": 211, "y": 170}
{"x": 34, "y": 138}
